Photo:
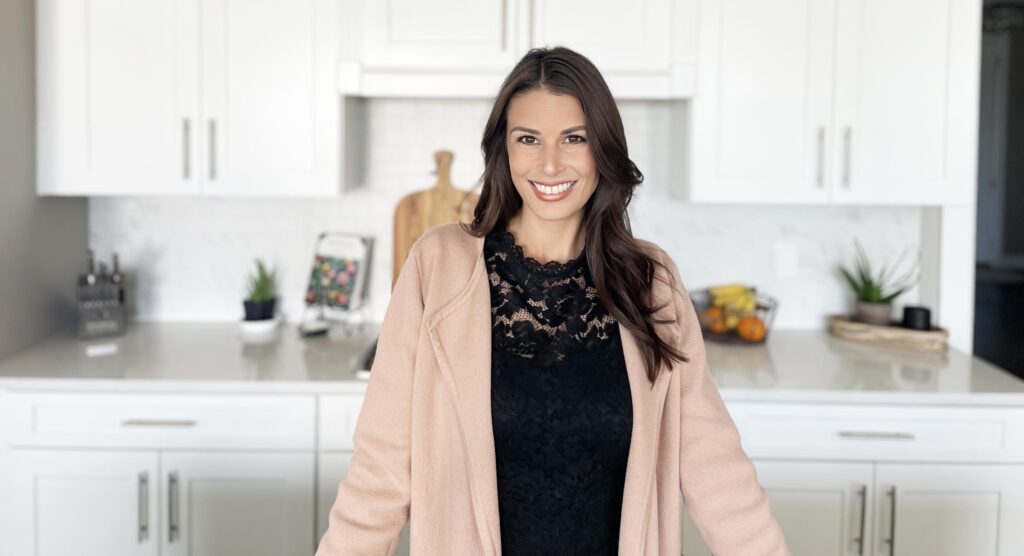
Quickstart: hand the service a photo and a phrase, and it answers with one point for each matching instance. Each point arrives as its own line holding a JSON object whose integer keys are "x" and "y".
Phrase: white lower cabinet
{"x": 171, "y": 503}
{"x": 82, "y": 502}
{"x": 258, "y": 504}
{"x": 948, "y": 509}
{"x": 901, "y": 509}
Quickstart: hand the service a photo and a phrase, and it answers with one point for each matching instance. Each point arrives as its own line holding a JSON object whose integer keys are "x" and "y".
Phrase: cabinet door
{"x": 333, "y": 468}
{"x": 949, "y": 510}
{"x": 117, "y": 98}
{"x": 617, "y": 35}
{"x": 823, "y": 508}
{"x": 441, "y": 34}
{"x": 270, "y": 105}
{"x": 76, "y": 502}
{"x": 236, "y": 503}
{"x": 906, "y": 101}
{"x": 761, "y": 116}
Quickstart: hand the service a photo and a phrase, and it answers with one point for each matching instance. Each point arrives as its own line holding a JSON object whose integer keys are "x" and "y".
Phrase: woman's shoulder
{"x": 665, "y": 270}
{"x": 444, "y": 241}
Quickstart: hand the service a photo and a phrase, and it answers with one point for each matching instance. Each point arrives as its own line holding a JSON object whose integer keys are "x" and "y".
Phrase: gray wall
{"x": 43, "y": 241}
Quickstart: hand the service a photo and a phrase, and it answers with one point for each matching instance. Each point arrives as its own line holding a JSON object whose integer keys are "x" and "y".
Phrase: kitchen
{"x": 191, "y": 149}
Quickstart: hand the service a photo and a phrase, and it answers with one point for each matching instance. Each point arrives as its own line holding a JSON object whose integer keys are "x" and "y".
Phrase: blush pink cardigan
{"x": 424, "y": 446}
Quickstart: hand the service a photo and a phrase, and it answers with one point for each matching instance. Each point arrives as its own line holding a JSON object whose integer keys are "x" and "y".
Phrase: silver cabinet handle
{"x": 186, "y": 147}
{"x": 847, "y": 132}
{"x": 158, "y": 423}
{"x": 172, "y": 507}
{"x": 143, "y": 506}
{"x": 891, "y": 541}
{"x": 820, "y": 178}
{"x": 862, "y": 493}
{"x": 877, "y": 434}
{"x": 212, "y": 125}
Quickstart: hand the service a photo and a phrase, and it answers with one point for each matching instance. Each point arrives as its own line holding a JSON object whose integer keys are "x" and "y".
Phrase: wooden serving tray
{"x": 933, "y": 340}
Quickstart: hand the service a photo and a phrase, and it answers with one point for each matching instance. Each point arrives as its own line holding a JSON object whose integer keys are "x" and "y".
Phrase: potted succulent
{"x": 874, "y": 295}
{"x": 259, "y": 304}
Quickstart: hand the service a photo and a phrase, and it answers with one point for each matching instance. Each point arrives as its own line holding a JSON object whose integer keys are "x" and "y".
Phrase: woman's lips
{"x": 552, "y": 197}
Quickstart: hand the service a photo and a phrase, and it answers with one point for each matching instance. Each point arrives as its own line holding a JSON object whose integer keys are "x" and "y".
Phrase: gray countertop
{"x": 793, "y": 365}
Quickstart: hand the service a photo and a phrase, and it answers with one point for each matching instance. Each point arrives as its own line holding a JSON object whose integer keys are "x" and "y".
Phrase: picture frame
{"x": 337, "y": 286}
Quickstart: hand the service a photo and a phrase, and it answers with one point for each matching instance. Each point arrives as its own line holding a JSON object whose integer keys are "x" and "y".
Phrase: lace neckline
{"x": 551, "y": 267}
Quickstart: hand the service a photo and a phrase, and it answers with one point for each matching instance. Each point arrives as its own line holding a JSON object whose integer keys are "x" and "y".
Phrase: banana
{"x": 728, "y": 289}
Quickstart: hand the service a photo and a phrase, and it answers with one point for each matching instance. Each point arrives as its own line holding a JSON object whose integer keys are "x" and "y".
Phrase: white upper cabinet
{"x": 164, "y": 97}
{"x": 117, "y": 97}
{"x": 844, "y": 101}
{"x": 447, "y": 48}
{"x": 440, "y": 34}
{"x": 430, "y": 48}
{"x": 906, "y": 101}
{"x": 270, "y": 111}
{"x": 762, "y": 113}
{"x": 644, "y": 49}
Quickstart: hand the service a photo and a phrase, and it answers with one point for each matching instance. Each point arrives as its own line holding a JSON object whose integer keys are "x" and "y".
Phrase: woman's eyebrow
{"x": 535, "y": 132}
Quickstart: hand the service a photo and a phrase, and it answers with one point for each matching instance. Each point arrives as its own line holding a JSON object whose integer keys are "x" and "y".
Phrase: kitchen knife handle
{"x": 143, "y": 506}
{"x": 820, "y": 178}
{"x": 847, "y": 133}
{"x": 186, "y": 147}
{"x": 212, "y": 125}
{"x": 172, "y": 507}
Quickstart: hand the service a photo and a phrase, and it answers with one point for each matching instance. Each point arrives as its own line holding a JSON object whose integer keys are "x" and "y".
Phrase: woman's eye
{"x": 579, "y": 139}
{"x": 527, "y": 139}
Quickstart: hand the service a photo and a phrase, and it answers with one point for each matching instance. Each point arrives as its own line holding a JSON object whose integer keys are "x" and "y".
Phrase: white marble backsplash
{"x": 188, "y": 258}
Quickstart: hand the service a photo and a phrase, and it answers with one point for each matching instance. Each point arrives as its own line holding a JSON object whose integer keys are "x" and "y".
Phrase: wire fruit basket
{"x": 734, "y": 314}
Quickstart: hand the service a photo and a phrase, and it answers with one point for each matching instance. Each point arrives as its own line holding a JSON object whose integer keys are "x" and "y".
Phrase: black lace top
{"x": 560, "y": 404}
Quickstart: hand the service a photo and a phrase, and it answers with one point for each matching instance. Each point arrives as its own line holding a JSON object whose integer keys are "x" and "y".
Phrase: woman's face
{"x": 549, "y": 155}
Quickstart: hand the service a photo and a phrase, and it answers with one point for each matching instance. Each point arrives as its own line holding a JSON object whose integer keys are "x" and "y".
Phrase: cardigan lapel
{"x": 460, "y": 336}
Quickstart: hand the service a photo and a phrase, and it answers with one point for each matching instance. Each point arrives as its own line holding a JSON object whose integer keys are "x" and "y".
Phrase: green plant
{"x": 878, "y": 289}
{"x": 261, "y": 285}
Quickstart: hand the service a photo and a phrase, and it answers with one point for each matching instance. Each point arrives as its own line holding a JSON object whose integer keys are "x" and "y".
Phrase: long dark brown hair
{"x": 622, "y": 272}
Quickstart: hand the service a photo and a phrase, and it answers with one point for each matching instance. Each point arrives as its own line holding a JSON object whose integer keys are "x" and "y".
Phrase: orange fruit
{"x": 713, "y": 319}
{"x": 718, "y": 327}
{"x": 751, "y": 328}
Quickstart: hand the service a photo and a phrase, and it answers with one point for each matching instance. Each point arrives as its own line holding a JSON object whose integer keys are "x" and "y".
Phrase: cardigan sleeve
{"x": 719, "y": 483}
{"x": 372, "y": 504}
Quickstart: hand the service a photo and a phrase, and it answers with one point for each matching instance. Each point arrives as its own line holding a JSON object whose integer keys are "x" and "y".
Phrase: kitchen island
{"x": 192, "y": 432}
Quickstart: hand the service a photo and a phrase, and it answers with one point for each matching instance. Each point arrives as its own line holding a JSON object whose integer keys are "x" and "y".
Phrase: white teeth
{"x": 554, "y": 189}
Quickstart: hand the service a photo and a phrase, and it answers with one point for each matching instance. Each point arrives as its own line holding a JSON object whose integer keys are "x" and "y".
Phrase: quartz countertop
{"x": 792, "y": 366}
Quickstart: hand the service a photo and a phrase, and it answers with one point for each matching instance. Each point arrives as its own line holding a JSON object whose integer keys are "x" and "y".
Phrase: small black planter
{"x": 263, "y": 310}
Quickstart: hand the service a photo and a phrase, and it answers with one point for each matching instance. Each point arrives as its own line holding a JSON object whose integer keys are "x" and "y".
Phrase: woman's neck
{"x": 546, "y": 240}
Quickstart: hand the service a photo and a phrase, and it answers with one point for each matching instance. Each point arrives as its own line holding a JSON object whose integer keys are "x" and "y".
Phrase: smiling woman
{"x": 540, "y": 384}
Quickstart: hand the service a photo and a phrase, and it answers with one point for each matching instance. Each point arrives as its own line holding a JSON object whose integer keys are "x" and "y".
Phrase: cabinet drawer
{"x": 881, "y": 431}
{"x": 338, "y": 415}
{"x": 159, "y": 420}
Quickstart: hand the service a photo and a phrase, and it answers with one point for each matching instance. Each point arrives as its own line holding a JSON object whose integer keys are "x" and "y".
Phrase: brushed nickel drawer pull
{"x": 847, "y": 132}
{"x": 172, "y": 507}
{"x": 158, "y": 423}
{"x": 212, "y": 154}
{"x": 877, "y": 435}
{"x": 186, "y": 135}
{"x": 143, "y": 506}
{"x": 891, "y": 541}
{"x": 820, "y": 177}
{"x": 862, "y": 493}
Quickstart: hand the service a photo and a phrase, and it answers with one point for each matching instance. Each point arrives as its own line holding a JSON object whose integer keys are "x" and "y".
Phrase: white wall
{"x": 42, "y": 240}
{"x": 188, "y": 258}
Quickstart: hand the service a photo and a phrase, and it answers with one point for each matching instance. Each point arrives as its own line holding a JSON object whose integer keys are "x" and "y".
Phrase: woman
{"x": 540, "y": 383}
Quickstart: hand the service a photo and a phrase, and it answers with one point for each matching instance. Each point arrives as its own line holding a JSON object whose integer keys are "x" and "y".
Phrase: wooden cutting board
{"x": 420, "y": 211}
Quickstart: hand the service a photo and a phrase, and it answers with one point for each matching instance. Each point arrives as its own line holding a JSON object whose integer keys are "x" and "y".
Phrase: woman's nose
{"x": 552, "y": 160}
